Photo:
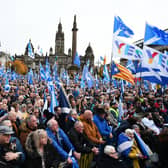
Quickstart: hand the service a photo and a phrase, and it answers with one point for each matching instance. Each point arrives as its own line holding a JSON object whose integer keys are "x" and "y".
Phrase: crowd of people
{"x": 93, "y": 134}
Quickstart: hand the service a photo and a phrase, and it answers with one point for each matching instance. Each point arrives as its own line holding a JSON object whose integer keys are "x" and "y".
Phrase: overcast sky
{"x": 21, "y": 20}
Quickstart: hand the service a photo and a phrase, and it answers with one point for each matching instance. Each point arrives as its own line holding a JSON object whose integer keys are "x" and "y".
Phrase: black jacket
{"x": 79, "y": 141}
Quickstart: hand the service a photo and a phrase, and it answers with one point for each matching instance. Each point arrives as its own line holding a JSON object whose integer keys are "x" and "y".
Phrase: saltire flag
{"x": 120, "y": 29}
{"x": 153, "y": 87}
{"x": 86, "y": 76}
{"x": 63, "y": 75}
{"x": 146, "y": 85}
{"x": 77, "y": 60}
{"x": 30, "y": 50}
{"x": 67, "y": 79}
{"x": 155, "y": 36}
{"x": 82, "y": 83}
{"x": 55, "y": 74}
{"x": 90, "y": 80}
{"x": 39, "y": 51}
{"x": 88, "y": 63}
{"x": 130, "y": 65}
{"x": 125, "y": 50}
{"x": 13, "y": 76}
{"x": 144, "y": 148}
{"x": 54, "y": 101}
{"x": 154, "y": 66}
{"x": 91, "y": 70}
{"x": 106, "y": 77}
{"x": 97, "y": 82}
{"x": 120, "y": 108}
{"x": 47, "y": 71}
{"x": 122, "y": 87}
{"x": 7, "y": 86}
{"x": 76, "y": 78}
{"x": 101, "y": 58}
{"x": 124, "y": 74}
{"x": 45, "y": 107}
{"x": 63, "y": 101}
{"x": 42, "y": 73}
{"x": 2, "y": 69}
{"x": 30, "y": 77}
{"x": 115, "y": 82}
{"x": 124, "y": 144}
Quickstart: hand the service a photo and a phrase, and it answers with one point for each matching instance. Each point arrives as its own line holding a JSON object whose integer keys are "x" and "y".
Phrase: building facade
{"x": 64, "y": 61}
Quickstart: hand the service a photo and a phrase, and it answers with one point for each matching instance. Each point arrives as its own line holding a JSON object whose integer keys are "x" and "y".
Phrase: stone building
{"x": 64, "y": 60}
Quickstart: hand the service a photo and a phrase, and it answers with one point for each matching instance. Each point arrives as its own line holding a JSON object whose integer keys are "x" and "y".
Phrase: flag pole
{"x": 111, "y": 69}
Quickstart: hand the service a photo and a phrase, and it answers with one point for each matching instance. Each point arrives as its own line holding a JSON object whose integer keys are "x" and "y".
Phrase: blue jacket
{"x": 102, "y": 126}
{"x": 61, "y": 143}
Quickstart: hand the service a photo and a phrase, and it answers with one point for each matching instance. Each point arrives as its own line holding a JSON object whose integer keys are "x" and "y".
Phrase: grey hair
{"x": 135, "y": 126}
{"x": 129, "y": 131}
{"x": 50, "y": 123}
{"x": 72, "y": 111}
{"x": 77, "y": 123}
{"x": 5, "y": 123}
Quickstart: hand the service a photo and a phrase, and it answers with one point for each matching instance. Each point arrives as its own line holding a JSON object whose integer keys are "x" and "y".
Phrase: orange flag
{"x": 124, "y": 74}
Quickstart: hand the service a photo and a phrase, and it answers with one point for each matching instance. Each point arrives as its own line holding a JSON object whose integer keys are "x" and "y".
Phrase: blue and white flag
{"x": 30, "y": 77}
{"x": 54, "y": 102}
{"x": 77, "y": 60}
{"x": 125, "y": 50}
{"x": 42, "y": 73}
{"x": 76, "y": 78}
{"x": 2, "y": 70}
{"x": 47, "y": 71}
{"x": 97, "y": 82}
{"x": 55, "y": 74}
{"x": 39, "y": 51}
{"x": 120, "y": 29}
{"x": 30, "y": 50}
{"x": 130, "y": 65}
{"x": 114, "y": 69}
{"x": 7, "y": 86}
{"x": 63, "y": 101}
{"x": 120, "y": 108}
{"x": 154, "y": 66}
{"x": 106, "y": 77}
{"x": 82, "y": 84}
{"x": 86, "y": 76}
{"x": 13, "y": 76}
{"x": 124, "y": 144}
{"x": 144, "y": 148}
{"x": 155, "y": 36}
{"x": 122, "y": 87}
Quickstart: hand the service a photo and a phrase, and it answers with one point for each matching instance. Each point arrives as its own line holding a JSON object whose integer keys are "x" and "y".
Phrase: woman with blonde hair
{"x": 40, "y": 152}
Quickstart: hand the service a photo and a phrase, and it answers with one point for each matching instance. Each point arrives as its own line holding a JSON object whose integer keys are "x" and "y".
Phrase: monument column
{"x": 74, "y": 39}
